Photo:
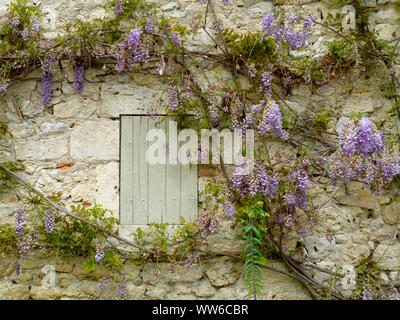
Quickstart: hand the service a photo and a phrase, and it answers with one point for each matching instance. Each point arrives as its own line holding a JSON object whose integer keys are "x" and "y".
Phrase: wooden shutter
{"x": 152, "y": 193}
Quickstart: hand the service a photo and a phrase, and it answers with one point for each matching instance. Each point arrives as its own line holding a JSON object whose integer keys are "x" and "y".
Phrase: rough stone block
{"x": 107, "y": 186}
{"x": 43, "y": 149}
{"x": 95, "y": 140}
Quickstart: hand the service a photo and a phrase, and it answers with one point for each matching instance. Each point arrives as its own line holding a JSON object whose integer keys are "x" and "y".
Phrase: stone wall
{"x": 72, "y": 146}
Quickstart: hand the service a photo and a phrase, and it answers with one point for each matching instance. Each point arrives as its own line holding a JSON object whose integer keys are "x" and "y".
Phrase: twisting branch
{"x": 69, "y": 213}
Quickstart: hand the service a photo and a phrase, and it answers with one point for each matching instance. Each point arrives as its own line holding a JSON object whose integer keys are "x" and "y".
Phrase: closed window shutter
{"x": 152, "y": 192}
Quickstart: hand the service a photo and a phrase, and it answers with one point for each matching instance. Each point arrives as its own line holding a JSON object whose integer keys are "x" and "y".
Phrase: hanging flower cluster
{"x": 207, "y": 222}
{"x": 99, "y": 254}
{"x": 130, "y": 50}
{"x": 271, "y": 121}
{"x": 118, "y": 6}
{"x": 363, "y": 155}
{"x": 295, "y": 30}
{"x": 20, "y": 218}
{"x": 79, "y": 80}
{"x": 173, "y": 94}
{"x": 250, "y": 182}
{"x": 49, "y": 221}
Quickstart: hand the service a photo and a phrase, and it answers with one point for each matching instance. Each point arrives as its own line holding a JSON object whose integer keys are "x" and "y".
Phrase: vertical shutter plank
{"x": 173, "y": 194}
{"x": 156, "y": 185}
{"x": 140, "y": 177}
{"x": 188, "y": 190}
{"x": 126, "y": 199}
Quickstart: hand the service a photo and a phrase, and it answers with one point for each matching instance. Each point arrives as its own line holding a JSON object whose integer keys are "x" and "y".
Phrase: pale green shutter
{"x": 152, "y": 193}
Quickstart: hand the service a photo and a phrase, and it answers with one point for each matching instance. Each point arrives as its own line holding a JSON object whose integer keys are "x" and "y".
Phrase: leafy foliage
{"x": 254, "y": 259}
{"x": 250, "y": 47}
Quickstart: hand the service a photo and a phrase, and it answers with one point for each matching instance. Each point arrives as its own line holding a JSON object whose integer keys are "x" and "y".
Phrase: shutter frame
{"x": 152, "y": 193}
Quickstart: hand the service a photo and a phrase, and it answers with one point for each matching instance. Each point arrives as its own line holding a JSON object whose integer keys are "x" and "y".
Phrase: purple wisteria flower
{"x": 25, "y": 34}
{"x": 48, "y": 62}
{"x": 172, "y": 97}
{"x": 102, "y": 283}
{"x": 292, "y": 32}
{"x": 215, "y": 122}
{"x": 229, "y": 209}
{"x": 271, "y": 121}
{"x": 302, "y": 180}
{"x": 296, "y": 39}
{"x": 79, "y": 76}
{"x": 347, "y": 138}
{"x": 191, "y": 261}
{"x": 130, "y": 50}
{"x": 47, "y": 77}
{"x": 176, "y": 39}
{"x": 118, "y": 6}
{"x": 290, "y": 200}
{"x": 35, "y": 25}
{"x": 226, "y": 2}
{"x": 203, "y": 1}
{"x": 49, "y": 221}
{"x": 266, "y": 78}
{"x": 99, "y": 254}
{"x": 257, "y": 107}
{"x": 134, "y": 38}
{"x": 367, "y": 293}
{"x": 362, "y": 137}
{"x": 20, "y": 218}
{"x": 273, "y": 185}
{"x": 267, "y": 21}
{"x": 293, "y": 17}
{"x": 15, "y": 22}
{"x": 149, "y": 28}
{"x": 367, "y": 141}
{"x": 389, "y": 163}
{"x": 121, "y": 289}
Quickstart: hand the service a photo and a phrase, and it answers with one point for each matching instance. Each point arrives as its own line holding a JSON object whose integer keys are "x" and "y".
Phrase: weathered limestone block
{"x": 389, "y": 15}
{"x": 50, "y": 127}
{"x": 90, "y": 90}
{"x": 222, "y": 271}
{"x": 42, "y": 149}
{"x": 91, "y": 289}
{"x": 363, "y": 199}
{"x": 320, "y": 248}
{"x": 77, "y": 107}
{"x": 391, "y": 213}
{"x": 8, "y": 291}
{"x": 79, "y": 193}
{"x": 134, "y": 292}
{"x": 387, "y": 31}
{"x": 278, "y": 286}
{"x": 64, "y": 265}
{"x": 95, "y": 140}
{"x": 72, "y": 293}
{"x": 204, "y": 289}
{"x": 22, "y": 130}
{"x": 107, "y": 186}
{"x": 22, "y": 278}
{"x": 180, "y": 274}
{"x": 182, "y": 288}
{"x": 119, "y": 99}
{"x": 388, "y": 259}
{"x": 42, "y": 293}
{"x": 360, "y": 102}
{"x": 156, "y": 293}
